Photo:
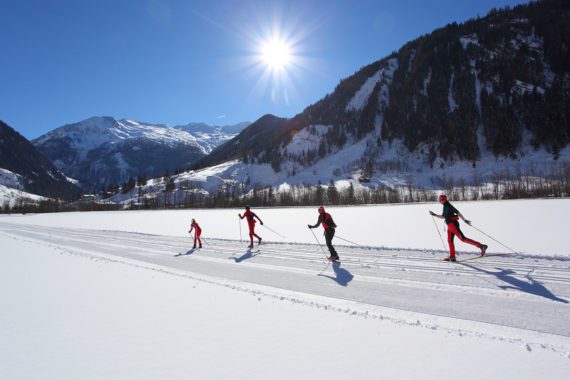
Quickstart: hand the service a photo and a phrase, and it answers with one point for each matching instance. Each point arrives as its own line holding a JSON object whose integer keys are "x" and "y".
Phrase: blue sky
{"x": 174, "y": 61}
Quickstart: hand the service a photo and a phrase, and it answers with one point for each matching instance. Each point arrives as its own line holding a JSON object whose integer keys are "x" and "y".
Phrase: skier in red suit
{"x": 451, "y": 216}
{"x": 250, "y": 215}
{"x": 196, "y": 227}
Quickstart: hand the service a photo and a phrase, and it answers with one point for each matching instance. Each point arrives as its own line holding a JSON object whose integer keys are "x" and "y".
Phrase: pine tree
{"x": 332, "y": 193}
{"x": 319, "y": 194}
{"x": 350, "y": 198}
{"x": 141, "y": 180}
{"x": 170, "y": 186}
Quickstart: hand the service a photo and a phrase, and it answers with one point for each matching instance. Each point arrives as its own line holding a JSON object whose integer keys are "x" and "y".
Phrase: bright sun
{"x": 275, "y": 54}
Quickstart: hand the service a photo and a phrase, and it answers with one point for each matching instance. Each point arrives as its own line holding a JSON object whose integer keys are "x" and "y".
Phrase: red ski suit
{"x": 195, "y": 226}
{"x": 250, "y": 215}
{"x": 452, "y": 230}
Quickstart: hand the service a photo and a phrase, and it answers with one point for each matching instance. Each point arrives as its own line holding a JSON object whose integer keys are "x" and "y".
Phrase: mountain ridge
{"x": 103, "y": 150}
{"x": 497, "y": 84}
{"x": 23, "y": 167}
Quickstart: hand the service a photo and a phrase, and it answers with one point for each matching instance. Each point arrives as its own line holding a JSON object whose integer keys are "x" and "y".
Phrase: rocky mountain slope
{"x": 465, "y": 101}
{"x": 23, "y": 168}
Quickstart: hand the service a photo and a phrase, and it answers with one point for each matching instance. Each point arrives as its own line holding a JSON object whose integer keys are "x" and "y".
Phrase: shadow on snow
{"x": 531, "y": 287}
{"x": 189, "y": 252}
{"x": 342, "y": 276}
{"x": 247, "y": 255}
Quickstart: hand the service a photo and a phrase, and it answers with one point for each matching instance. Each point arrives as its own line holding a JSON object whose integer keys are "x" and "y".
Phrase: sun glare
{"x": 276, "y": 59}
{"x": 275, "y": 54}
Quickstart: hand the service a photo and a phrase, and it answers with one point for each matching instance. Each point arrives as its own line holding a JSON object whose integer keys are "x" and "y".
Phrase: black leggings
{"x": 329, "y": 234}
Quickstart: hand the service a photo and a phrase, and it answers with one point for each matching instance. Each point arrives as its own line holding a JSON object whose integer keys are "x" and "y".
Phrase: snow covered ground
{"x": 535, "y": 227}
{"x": 121, "y": 294}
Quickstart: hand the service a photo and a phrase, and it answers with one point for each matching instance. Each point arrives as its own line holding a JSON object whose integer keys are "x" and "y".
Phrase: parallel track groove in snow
{"x": 514, "y": 291}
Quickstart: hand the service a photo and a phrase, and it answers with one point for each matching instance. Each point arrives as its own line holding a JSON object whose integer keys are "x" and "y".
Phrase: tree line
{"x": 533, "y": 182}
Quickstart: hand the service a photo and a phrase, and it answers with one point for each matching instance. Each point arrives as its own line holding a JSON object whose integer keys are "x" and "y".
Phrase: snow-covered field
{"x": 533, "y": 227}
{"x": 122, "y": 295}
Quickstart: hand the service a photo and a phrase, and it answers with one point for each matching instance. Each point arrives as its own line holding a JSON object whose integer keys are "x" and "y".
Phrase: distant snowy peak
{"x": 100, "y": 130}
{"x": 198, "y": 128}
{"x": 96, "y": 131}
{"x": 101, "y": 151}
{"x": 235, "y": 128}
{"x": 210, "y": 137}
{"x": 206, "y": 128}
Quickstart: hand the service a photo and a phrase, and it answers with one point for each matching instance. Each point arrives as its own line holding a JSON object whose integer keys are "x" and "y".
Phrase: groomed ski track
{"x": 528, "y": 293}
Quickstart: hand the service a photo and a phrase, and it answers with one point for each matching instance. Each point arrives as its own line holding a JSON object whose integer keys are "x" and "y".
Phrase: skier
{"x": 451, "y": 216}
{"x": 250, "y": 215}
{"x": 329, "y": 226}
{"x": 195, "y": 226}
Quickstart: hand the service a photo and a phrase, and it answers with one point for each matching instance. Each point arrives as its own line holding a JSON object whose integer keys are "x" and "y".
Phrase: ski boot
{"x": 259, "y": 240}
{"x": 450, "y": 258}
{"x": 484, "y": 249}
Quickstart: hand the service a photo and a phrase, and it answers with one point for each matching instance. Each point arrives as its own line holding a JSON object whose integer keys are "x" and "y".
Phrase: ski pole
{"x": 351, "y": 242}
{"x": 319, "y": 243}
{"x": 205, "y": 241}
{"x": 492, "y": 238}
{"x": 275, "y": 232}
{"x": 239, "y": 222}
{"x": 439, "y": 233}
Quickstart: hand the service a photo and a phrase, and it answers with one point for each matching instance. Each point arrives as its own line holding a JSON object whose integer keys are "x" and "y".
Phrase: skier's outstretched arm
{"x": 318, "y": 222}
{"x": 462, "y": 218}
{"x": 436, "y": 215}
{"x": 260, "y": 222}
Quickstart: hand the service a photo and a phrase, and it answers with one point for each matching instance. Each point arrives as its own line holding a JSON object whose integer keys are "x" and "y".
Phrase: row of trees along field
{"x": 533, "y": 183}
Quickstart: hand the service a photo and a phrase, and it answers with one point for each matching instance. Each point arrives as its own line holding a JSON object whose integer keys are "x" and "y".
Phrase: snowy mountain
{"x": 103, "y": 150}
{"x": 24, "y": 169}
{"x": 210, "y": 137}
{"x": 462, "y": 104}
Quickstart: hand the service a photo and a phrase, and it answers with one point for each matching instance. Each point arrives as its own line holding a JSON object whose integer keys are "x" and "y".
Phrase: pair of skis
{"x": 481, "y": 256}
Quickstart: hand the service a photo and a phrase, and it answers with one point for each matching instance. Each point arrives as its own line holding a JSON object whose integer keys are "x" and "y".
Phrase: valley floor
{"x": 92, "y": 303}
